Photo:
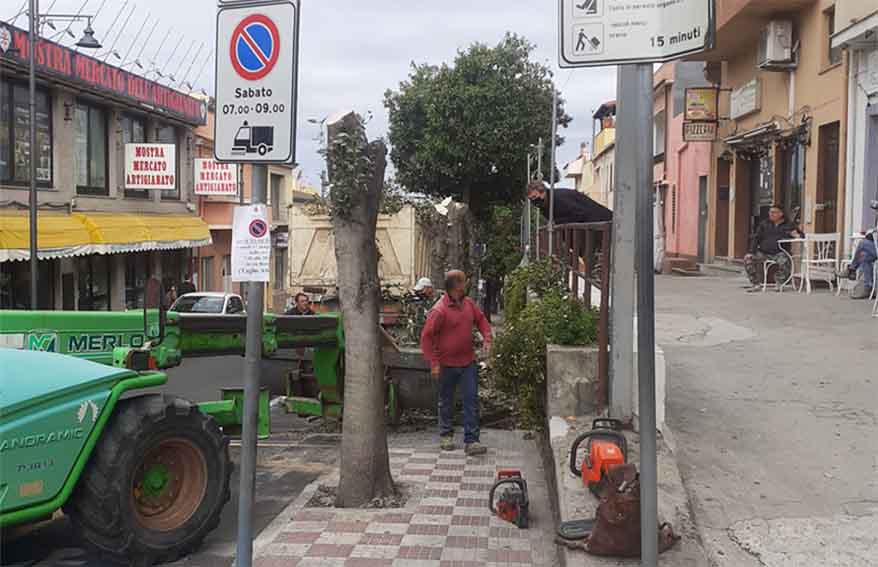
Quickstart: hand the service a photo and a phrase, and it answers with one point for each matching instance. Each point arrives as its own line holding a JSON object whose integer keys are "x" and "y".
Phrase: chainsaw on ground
{"x": 605, "y": 447}
{"x": 508, "y": 498}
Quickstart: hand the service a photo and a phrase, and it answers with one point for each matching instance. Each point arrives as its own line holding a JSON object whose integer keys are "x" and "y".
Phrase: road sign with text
{"x": 616, "y": 32}
{"x": 256, "y": 78}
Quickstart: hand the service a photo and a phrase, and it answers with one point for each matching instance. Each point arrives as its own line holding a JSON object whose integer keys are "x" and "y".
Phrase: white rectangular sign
{"x": 256, "y": 80}
{"x": 746, "y": 99}
{"x": 616, "y": 32}
{"x": 251, "y": 244}
{"x": 215, "y": 178}
{"x": 151, "y": 166}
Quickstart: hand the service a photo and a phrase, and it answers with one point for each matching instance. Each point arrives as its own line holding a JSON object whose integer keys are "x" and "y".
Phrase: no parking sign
{"x": 256, "y": 78}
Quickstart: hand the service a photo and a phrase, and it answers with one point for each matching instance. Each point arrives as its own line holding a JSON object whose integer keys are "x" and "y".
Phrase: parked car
{"x": 209, "y": 303}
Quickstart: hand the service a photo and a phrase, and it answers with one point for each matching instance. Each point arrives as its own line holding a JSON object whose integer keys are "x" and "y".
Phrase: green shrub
{"x": 539, "y": 277}
{"x": 519, "y": 354}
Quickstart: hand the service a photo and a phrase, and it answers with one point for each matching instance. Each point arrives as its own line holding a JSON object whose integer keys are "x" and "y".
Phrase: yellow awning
{"x": 61, "y": 235}
{"x": 54, "y": 230}
{"x": 122, "y": 228}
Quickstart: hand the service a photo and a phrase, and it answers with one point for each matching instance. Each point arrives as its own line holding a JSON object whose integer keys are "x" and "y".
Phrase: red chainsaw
{"x": 508, "y": 498}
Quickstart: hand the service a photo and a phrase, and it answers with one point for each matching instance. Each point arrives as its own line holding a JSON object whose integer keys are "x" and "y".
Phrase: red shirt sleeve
{"x": 430, "y": 335}
{"x": 482, "y": 323}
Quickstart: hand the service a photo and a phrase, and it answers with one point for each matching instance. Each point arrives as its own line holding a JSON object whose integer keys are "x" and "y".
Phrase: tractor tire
{"x": 156, "y": 483}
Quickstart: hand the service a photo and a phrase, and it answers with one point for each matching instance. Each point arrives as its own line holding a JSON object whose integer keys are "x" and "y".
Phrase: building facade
{"x": 99, "y": 239}
{"x": 784, "y": 93}
{"x": 857, "y": 32}
{"x": 213, "y": 262}
{"x": 680, "y": 171}
{"x": 604, "y": 156}
{"x": 581, "y": 170}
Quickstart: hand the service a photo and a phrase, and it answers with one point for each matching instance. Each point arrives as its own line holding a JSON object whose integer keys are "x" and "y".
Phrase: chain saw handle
{"x": 608, "y": 434}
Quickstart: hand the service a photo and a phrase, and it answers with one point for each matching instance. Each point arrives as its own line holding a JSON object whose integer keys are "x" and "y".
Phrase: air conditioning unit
{"x": 776, "y": 47}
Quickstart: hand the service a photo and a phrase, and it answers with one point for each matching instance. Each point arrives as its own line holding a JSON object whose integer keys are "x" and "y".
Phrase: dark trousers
{"x": 468, "y": 379}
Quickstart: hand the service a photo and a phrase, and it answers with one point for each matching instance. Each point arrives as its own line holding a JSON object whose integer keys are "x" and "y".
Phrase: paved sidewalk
{"x": 445, "y": 523}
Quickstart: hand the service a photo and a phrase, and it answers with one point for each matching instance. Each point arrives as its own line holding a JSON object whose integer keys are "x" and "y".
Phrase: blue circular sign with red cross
{"x": 258, "y": 228}
{"x": 255, "y": 47}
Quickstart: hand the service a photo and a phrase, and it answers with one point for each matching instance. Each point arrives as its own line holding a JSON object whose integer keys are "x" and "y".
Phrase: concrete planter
{"x": 571, "y": 377}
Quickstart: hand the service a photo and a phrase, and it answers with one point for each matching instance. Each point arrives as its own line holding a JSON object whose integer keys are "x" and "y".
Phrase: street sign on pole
{"x": 615, "y": 32}
{"x": 256, "y": 80}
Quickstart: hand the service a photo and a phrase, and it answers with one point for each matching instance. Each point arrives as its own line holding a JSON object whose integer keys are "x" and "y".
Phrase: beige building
{"x": 581, "y": 170}
{"x": 784, "y": 92}
{"x": 604, "y": 159}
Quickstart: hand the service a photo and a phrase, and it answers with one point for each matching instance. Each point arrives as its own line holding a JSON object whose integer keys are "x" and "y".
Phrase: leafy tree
{"x": 463, "y": 130}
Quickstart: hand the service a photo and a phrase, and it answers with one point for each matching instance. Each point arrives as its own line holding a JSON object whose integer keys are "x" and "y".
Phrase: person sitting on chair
{"x": 765, "y": 248}
{"x": 864, "y": 259}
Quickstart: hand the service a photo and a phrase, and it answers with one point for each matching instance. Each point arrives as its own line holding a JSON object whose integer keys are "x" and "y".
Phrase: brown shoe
{"x": 474, "y": 449}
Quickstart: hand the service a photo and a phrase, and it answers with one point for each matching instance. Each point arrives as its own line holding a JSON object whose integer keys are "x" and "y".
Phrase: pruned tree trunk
{"x": 365, "y": 462}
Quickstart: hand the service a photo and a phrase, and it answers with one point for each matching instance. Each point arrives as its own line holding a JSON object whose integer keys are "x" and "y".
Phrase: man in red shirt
{"x": 447, "y": 344}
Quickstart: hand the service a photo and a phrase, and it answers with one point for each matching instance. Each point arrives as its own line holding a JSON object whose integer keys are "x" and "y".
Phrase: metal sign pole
{"x": 33, "y": 17}
{"x": 636, "y": 89}
{"x": 552, "y": 179}
{"x": 252, "y": 369}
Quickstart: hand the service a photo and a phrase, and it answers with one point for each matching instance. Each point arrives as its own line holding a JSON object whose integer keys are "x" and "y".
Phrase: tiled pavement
{"x": 445, "y": 523}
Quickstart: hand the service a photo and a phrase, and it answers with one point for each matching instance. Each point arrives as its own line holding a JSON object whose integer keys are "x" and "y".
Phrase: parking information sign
{"x": 616, "y": 32}
{"x": 256, "y": 76}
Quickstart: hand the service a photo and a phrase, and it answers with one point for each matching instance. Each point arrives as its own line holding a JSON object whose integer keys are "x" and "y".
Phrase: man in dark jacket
{"x": 570, "y": 206}
{"x": 765, "y": 247}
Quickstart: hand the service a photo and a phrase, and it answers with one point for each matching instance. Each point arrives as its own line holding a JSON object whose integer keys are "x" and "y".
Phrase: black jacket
{"x": 574, "y": 207}
{"x": 767, "y": 235}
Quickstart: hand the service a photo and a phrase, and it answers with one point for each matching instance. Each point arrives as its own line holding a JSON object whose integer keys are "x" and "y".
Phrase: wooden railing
{"x": 583, "y": 251}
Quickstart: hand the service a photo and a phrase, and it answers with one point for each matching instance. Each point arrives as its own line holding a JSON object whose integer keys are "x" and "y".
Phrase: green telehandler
{"x": 143, "y": 476}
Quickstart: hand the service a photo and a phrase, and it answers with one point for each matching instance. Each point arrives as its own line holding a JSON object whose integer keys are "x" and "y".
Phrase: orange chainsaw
{"x": 605, "y": 447}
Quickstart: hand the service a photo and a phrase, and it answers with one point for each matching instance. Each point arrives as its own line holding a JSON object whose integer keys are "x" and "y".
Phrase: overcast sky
{"x": 350, "y": 51}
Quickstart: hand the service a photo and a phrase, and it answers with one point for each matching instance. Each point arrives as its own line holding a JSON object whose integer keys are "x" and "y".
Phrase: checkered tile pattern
{"x": 446, "y": 522}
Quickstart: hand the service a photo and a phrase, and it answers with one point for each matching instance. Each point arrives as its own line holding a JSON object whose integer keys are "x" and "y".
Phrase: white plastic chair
{"x": 820, "y": 259}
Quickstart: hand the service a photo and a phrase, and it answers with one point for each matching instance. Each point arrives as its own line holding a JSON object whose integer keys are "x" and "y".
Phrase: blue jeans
{"x": 468, "y": 379}
{"x": 864, "y": 259}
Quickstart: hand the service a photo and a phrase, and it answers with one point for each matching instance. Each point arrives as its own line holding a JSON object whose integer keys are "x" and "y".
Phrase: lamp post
{"x": 87, "y": 41}
{"x": 322, "y": 139}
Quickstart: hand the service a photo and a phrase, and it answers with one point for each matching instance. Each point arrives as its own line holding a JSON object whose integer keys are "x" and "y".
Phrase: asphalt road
{"x": 288, "y": 462}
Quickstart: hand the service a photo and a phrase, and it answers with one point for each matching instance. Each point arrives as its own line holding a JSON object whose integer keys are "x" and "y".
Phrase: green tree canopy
{"x": 464, "y": 130}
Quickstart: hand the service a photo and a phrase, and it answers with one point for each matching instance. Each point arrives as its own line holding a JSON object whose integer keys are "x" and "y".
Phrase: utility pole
{"x": 633, "y": 247}
{"x": 32, "y": 139}
{"x": 552, "y": 179}
{"x": 252, "y": 369}
{"x": 540, "y": 148}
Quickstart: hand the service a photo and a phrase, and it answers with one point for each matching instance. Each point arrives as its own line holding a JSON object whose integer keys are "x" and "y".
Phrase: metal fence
{"x": 583, "y": 251}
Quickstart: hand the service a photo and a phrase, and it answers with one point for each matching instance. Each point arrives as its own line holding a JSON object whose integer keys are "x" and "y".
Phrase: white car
{"x": 209, "y": 303}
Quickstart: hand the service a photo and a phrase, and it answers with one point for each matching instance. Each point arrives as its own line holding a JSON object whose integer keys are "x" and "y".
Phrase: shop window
{"x": 173, "y": 267}
{"x": 90, "y": 150}
{"x": 167, "y": 134}
{"x": 94, "y": 283}
{"x": 206, "y": 273}
{"x": 15, "y": 285}
{"x": 15, "y": 135}
{"x": 136, "y": 275}
{"x": 134, "y": 132}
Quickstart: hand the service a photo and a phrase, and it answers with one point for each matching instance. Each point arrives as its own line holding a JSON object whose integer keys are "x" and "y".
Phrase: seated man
{"x": 765, "y": 247}
{"x": 301, "y": 305}
{"x": 864, "y": 259}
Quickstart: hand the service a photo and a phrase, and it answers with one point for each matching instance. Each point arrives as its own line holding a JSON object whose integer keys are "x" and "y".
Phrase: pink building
{"x": 680, "y": 172}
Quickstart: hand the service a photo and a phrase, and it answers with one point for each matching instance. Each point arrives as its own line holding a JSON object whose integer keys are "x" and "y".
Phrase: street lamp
{"x": 87, "y": 41}
{"x": 322, "y": 139}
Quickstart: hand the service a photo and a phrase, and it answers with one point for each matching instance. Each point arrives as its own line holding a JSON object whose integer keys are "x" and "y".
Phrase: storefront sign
{"x": 702, "y": 104}
{"x": 150, "y": 166}
{"x": 699, "y": 131}
{"x": 746, "y": 99}
{"x": 611, "y": 32}
{"x": 214, "y": 178}
{"x": 88, "y": 73}
{"x": 251, "y": 244}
